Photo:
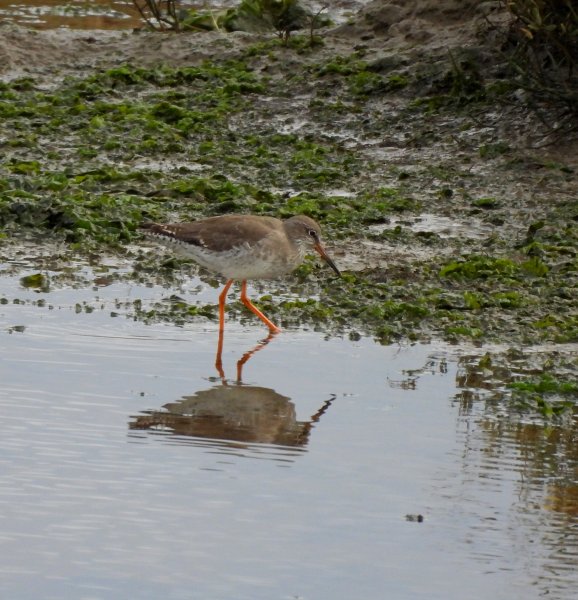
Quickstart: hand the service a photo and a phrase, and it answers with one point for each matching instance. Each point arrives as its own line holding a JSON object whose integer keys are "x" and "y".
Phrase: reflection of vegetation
{"x": 534, "y": 456}
{"x": 533, "y": 385}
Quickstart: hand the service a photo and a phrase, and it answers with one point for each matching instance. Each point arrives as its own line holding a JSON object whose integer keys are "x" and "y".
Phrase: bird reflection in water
{"x": 241, "y": 362}
{"x": 237, "y": 413}
{"x": 233, "y": 412}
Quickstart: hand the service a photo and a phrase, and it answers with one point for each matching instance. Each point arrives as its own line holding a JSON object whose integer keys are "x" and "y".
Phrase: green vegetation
{"x": 86, "y": 161}
{"x": 480, "y": 267}
{"x": 37, "y": 281}
{"x": 545, "y": 395}
{"x": 546, "y": 384}
{"x": 543, "y": 53}
{"x": 281, "y": 16}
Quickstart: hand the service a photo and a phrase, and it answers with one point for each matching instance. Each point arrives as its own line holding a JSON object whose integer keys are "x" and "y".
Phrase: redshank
{"x": 244, "y": 247}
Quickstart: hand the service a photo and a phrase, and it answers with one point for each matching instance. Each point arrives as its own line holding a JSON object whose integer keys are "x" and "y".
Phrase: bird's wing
{"x": 217, "y": 233}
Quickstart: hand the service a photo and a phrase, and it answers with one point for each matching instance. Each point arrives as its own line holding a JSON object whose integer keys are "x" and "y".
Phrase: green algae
{"x": 75, "y": 169}
{"x": 545, "y": 394}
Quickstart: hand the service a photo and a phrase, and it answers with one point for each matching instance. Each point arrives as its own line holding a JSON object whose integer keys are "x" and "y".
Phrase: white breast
{"x": 259, "y": 261}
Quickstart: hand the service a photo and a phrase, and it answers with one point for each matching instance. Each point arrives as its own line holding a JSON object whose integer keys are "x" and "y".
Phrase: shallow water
{"x": 74, "y": 14}
{"x": 118, "y": 14}
{"x": 129, "y": 469}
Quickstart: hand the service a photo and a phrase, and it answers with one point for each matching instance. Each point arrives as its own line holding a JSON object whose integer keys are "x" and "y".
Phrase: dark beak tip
{"x": 332, "y": 265}
{"x": 321, "y": 250}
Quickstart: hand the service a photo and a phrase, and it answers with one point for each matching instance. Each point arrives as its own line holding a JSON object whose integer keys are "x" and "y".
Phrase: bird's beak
{"x": 326, "y": 257}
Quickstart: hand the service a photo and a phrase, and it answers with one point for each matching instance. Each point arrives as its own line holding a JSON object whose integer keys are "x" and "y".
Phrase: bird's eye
{"x": 312, "y": 233}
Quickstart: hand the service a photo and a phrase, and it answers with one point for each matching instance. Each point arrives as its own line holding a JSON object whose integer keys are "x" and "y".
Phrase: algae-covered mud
{"x": 446, "y": 205}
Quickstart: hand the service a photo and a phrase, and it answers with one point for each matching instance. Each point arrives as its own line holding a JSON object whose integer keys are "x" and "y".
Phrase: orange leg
{"x": 222, "y": 300}
{"x": 245, "y": 300}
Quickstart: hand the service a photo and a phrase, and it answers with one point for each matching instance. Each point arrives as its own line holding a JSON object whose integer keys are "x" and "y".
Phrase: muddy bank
{"x": 446, "y": 207}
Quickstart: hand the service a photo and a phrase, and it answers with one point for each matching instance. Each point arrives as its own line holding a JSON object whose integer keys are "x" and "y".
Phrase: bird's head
{"x": 307, "y": 233}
